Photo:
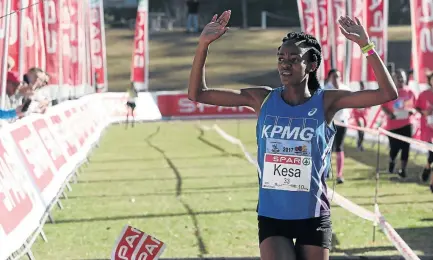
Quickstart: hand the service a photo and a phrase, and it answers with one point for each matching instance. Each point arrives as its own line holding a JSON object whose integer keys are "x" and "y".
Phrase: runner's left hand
{"x": 353, "y": 30}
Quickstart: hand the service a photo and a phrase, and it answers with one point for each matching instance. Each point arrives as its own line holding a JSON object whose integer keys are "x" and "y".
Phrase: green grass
{"x": 197, "y": 193}
{"x": 241, "y": 58}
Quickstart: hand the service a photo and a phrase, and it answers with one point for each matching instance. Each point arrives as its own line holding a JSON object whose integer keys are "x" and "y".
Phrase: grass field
{"x": 241, "y": 58}
{"x": 196, "y": 192}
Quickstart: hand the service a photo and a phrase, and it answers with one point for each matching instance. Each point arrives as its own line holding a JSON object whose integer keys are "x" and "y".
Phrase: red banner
{"x": 91, "y": 77}
{"x": 82, "y": 9}
{"x": 4, "y": 48}
{"x": 73, "y": 16}
{"x": 336, "y": 9}
{"x": 53, "y": 40}
{"x": 140, "y": 58}
{"x": 96, "y": 42}
{"x": 376, "y": 24}
{"x": 422, "y": 39}
{"x": 32, "y": 35}
{"x": 66, "y": 51}
{"x": 40, "y": 39}
{"x": 180, "y": 105}
{"x": 324, "y": 38}
{"x": 355, "y": 57}
{"x": 14, "y": 36}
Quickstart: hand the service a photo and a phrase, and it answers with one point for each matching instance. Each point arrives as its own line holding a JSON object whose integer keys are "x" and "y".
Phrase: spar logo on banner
{"x": 324, "y": 38}
{"x": 52, "y": 40}
{"x": 50, "y": 143}
{"x": 20, "y": 206}
{"x": 140, "y": 59}
{"x": 64, "y": 135}
{"x": 355, "y": 57}
{"x": 16, "y": 201}
{"x": 74, "y": 128}
{"x": 422, "y": 39}
{"x": 97, "y": 43}
{"x": 35, "y": 158}
{"x": 376, "y": 24}
{"x": 180, "y": 105}
{"x": 337, "y": 8}
{"x": 134, "y": 244}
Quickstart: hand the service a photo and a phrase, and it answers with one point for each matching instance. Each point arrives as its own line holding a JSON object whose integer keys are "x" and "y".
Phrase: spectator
{"x": 37, "y": 79}
{"x": 333, "y": 81}
{"x": 424, "y": 106}
{"x": 398, "y": 121}
{"x": 360, "y": 114}
{"x": 192, "y": 20}
{"x": 15, "y": 91}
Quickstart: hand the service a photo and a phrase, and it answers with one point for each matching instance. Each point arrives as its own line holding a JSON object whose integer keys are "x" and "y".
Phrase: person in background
{"x": 409, "y": 75}
{"x": 37, "y": 79}
{"x": 424, "y": 106}
{"x": 192, "y": 19}
{"x": 130, "y": 104}
{"x": 333, "y": 82}
{"x": 398, "y": 121}
{"x": 16, "y": 91}
{"x": 360, "y": 115}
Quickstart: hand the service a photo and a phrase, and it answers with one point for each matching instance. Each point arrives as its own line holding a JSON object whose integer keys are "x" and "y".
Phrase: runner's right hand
{"x": 216, "y": 28}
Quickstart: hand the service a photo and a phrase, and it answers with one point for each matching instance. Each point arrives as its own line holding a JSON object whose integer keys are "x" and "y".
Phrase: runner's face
{"x": 292, "y": 63}
{"x": 399, "y": 79}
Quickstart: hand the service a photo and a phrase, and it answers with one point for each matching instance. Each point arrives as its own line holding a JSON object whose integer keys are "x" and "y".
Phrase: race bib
{"x": 430, "y": 120}
{"x": 401, "y": 114}
{"x": 287, "y": 165}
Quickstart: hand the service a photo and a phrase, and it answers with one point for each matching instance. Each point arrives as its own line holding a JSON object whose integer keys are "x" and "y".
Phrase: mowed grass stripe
{"x": 196, "y": 192}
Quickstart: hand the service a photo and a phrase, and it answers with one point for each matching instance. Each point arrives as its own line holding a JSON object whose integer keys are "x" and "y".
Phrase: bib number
{"x": 287, "y": 172}
{"x": 430, "y": 120}
{"x": 401, "y": 114}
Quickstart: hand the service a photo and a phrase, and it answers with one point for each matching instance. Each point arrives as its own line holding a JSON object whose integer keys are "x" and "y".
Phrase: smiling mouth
{"x": 285, "y": 73}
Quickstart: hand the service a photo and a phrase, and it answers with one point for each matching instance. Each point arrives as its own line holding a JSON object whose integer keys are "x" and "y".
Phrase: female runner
{"x": 292, "y": 190}
{"x": 130, "y": 103}
{"x": 333, "y": 81}
{"x": 424, "y": 105}
{"x": 360, "y": 117}
{"x": 398, "y": 122}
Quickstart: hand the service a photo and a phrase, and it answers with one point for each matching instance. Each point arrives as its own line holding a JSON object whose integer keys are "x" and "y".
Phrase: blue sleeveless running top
{"x": 294, "y": 148}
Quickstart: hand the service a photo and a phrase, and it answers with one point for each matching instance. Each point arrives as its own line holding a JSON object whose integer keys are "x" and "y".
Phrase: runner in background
{"x": 294, "y": 135}
{"x": 130, "y": 104}
{"x": 424, "y": 106}
{"x": 360, "y": 116}
{"x": 333, "y": 82}
{"x": 398, "y": 121}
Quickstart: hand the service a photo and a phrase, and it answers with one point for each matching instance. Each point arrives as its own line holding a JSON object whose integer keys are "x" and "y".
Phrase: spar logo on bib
{"x": 287, "y": 172}
{"x": 289, "y": 128}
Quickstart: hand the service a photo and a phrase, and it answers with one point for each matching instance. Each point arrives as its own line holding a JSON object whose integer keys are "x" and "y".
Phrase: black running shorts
{"x": 313, "y": 231}
{"x": 131, "y": 104}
